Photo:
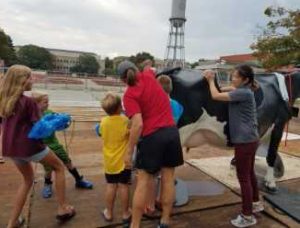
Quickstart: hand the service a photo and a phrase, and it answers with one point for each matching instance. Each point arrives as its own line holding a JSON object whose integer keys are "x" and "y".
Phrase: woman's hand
{"x": 209, "y": 75}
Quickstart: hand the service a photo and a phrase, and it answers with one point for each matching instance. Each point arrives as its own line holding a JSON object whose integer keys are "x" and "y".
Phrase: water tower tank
{"x": 178, "y": 9}
{"x": 178, "y": 13}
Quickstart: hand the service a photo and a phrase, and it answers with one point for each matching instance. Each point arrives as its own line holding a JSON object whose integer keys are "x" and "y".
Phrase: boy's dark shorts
{"x": 159, "y": 149}
{"x": 123, "y": 177}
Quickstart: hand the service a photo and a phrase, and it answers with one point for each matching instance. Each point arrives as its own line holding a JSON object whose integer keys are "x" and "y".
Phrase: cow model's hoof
{"x": 270, "y": 190}
{"x": 278, "y": 167}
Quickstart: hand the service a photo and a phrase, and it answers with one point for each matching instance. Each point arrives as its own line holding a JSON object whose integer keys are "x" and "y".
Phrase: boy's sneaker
{"x": 47, "y": 191}
{"x": 84, "y": 184}
{"x": 162, "y": 225}
{"x": 244, "y": 221}
{"x": 257, "y": 207}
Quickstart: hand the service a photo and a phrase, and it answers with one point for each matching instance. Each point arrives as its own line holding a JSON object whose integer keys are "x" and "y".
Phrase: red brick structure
{"x": 241, "y": 58}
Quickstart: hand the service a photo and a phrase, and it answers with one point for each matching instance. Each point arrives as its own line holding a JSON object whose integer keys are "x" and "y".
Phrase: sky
{"x": 112, "y": 28}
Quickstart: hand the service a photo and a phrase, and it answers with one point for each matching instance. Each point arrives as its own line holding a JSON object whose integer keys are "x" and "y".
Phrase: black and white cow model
{"x": 206, "y": 121}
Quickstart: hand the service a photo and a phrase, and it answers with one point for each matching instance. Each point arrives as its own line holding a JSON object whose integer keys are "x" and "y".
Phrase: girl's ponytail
{"x": 131, "y": 78}
{"x": 254, "y": 85}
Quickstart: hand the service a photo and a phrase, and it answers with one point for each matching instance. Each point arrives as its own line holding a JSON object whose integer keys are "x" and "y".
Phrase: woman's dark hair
{"x": 246, "y": 72}
{"x": 130, "y": 77}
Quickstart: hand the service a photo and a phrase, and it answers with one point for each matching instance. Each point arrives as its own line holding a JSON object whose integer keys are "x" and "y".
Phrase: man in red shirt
{"x": 159, "y": 148}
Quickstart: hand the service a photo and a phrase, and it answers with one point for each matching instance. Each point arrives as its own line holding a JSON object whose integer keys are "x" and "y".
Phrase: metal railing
{"x": 55, "y": 80}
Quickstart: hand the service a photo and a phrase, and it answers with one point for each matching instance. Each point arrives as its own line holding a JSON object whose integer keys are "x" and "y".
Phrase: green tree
{"x": 140, "y": 57}
{"x": 87, "y": 64}
{"x": 194, "y": 64}
{"x": 109, "y": 64}
{"x": 279, "y": 43}
{"x": 109, "y": 67}
{"x": 35, "y": 57}
{"x": 109, "y": 71}
{"x": 7, "y": 51}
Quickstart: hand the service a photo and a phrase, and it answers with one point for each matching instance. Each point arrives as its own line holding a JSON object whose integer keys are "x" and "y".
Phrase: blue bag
{"x": 48, "y": 124}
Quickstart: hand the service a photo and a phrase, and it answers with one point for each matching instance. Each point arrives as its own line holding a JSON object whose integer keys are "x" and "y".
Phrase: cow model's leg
{"x": 272, "y": 154}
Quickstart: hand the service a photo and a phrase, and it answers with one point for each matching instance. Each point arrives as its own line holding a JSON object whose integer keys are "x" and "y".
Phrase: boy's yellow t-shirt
{"x": 115, "y": 134}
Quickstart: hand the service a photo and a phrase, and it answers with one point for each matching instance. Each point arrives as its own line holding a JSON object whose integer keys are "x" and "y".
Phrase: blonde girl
{"x": 18, "y": 113}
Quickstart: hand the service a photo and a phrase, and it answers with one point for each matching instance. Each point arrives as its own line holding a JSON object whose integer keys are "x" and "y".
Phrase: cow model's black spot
{"x": 259, "y": 96}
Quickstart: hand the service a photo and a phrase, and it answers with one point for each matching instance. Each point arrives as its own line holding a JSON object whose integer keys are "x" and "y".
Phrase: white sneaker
{"x": 244, "y": 221}
{"x": 257, "y": 207}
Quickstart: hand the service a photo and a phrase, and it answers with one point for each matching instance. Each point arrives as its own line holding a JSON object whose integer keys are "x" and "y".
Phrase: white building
{"x": 63, "y": 60}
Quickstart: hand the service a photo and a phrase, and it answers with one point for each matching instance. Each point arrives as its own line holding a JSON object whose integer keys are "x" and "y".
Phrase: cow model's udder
{"x": 202, "y": 137}
{"x": 206, "y": 130}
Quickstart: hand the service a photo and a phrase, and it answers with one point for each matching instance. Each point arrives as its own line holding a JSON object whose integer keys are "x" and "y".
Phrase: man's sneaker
{"x": 84, "y": 184}
{"x": 257, "y": 207}
{"x": 47, "y": 191}
{"x": 244, "y": 221}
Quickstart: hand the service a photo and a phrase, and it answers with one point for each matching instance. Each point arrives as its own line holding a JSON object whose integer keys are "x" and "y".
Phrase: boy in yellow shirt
{"x": 115, "y": 135}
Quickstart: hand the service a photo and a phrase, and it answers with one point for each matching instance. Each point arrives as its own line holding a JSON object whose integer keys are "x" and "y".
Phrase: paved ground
{"x": 202, "y": 210}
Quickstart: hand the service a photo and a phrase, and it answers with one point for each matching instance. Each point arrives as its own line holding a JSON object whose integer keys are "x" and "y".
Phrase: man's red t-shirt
{"x": 148, "y": 98}
{"x": 15, "y": 141}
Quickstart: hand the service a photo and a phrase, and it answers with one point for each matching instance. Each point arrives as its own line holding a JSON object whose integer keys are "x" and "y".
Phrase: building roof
{"x": 214, "y": 66}
{"x": 238, "y": 58}
{"x": 60, "y": 50}
{"x": 205, "y": 62}
{"x": 71, "y": 51}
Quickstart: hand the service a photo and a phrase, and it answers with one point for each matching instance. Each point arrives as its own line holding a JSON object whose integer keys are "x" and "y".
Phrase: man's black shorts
{"x": 121, "y": 178}
{"x": 159, "y": 149}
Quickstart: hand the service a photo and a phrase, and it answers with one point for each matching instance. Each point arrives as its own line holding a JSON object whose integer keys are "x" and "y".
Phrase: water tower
{"x": 175, "y": 47}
